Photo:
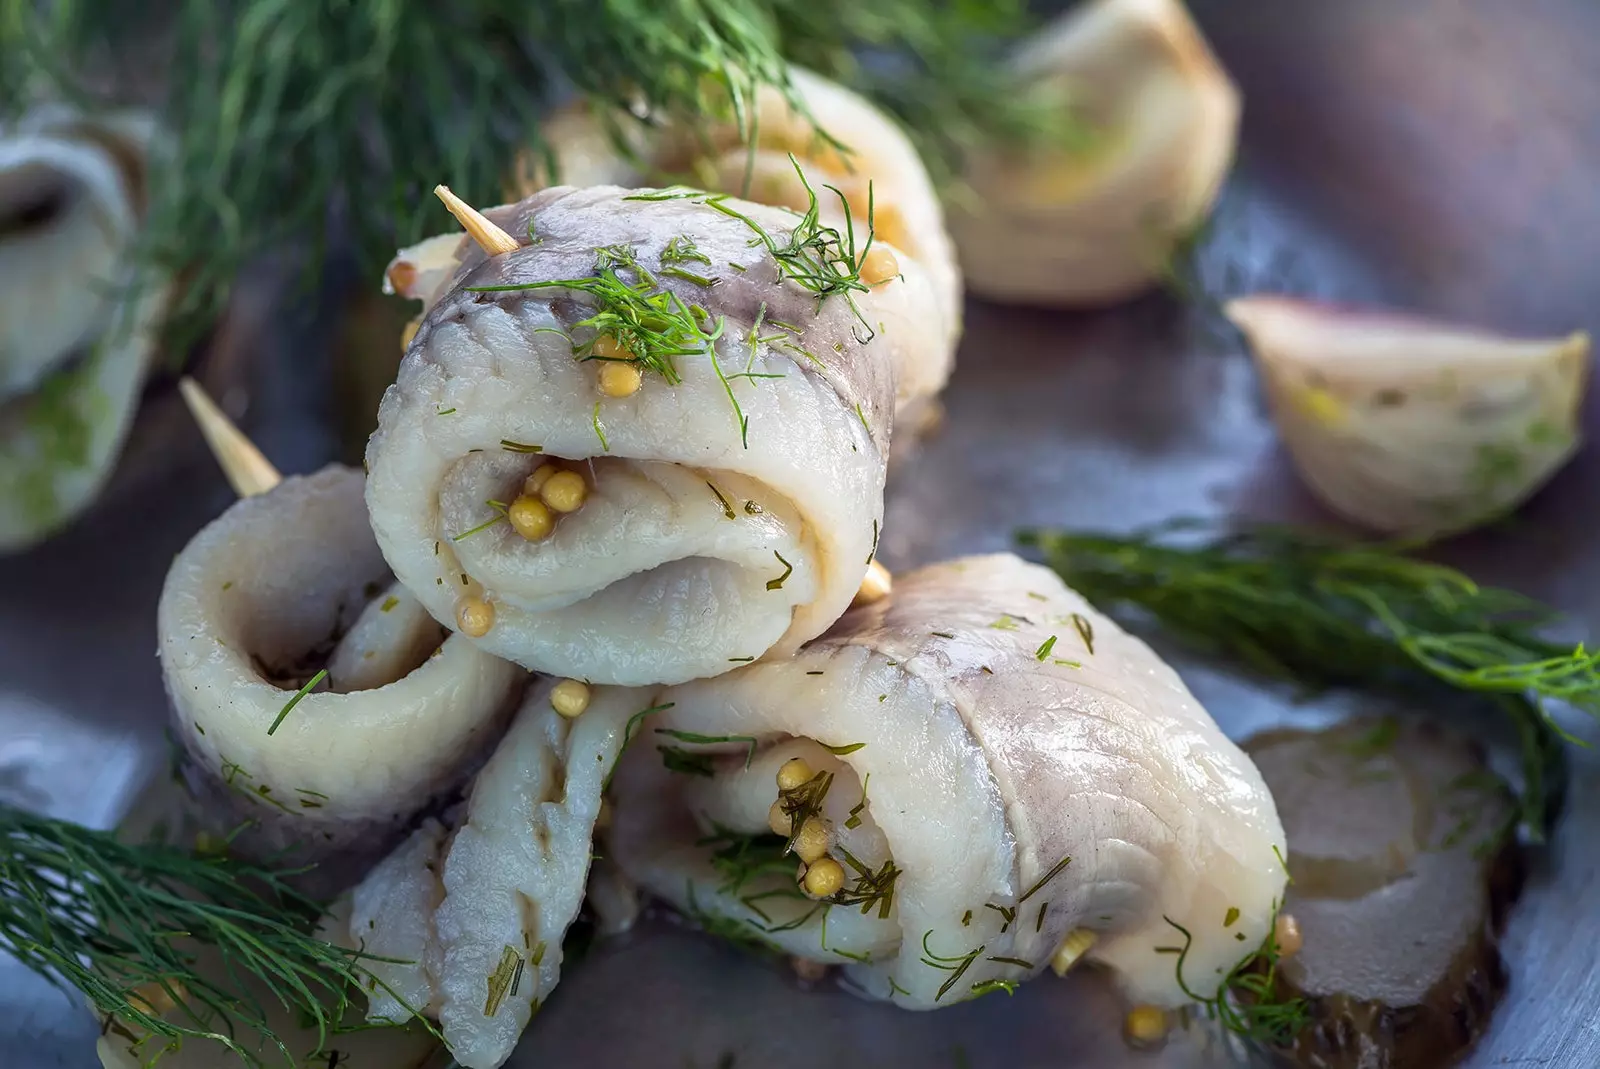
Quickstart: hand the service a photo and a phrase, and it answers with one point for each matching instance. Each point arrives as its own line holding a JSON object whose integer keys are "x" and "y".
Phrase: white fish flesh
{"x": 1414, "y": 427}
{"x": 1097, "y": 218}
{"x": 252, "y": 607}
{"x": 73, "y": 354}
{"x": 1008, "y": 768}
{"x": 479, "y": 915}
{"x": 905, "y": 208}
{"x": 729, "y": 514}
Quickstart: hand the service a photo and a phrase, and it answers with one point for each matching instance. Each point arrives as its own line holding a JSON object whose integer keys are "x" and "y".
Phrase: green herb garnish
{"x": 788, "y": 569}
{"x": 1246, "y": 1000}
{"x": 708, "y": 740}
{"x": 311, "y": 685}
{"x": 955, "y": 966}
{"x": 1325, "y": 612}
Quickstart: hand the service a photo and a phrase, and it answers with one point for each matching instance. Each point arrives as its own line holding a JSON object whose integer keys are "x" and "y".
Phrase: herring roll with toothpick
{"x": 311, "y": 694}
{"x": 642, "y": 436}
{"x": 974, "y": 778}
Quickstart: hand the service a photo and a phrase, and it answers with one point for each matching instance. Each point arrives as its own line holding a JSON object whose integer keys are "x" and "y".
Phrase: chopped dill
{"x": 1018, "y": 962}
{"x": 816, "y": 257}
{"x": 943, "y": 634}
{"x": 294, "y": 701}
{"x": 788, "y": 569}
{"x": 685, "y": 763}
{"x": 966, "y": 918}
{"x": 1055, "y": 870}
{"x": 683, "y": 250}
{"x": 727, "y": 508}
{"x": 633, "y": 721}
{"x": 1038, "y": 924}
{"x": 840, "y": 751}
{"x": 854, "y": 820}
{"x": 739, "y": 933}
{"x": 389, "y": 603}
{"x": 599, "y": 431}
{"x": 1085, "y": 630}
{"x": 955, "y": 966}
{"x": 499, "y": 517}
{"x": 1326, "y": 612}
{"x": 874, "y": 551}
{"x": 740, "y": 660}
{"x": 1044, "y": 649}
{"x": 862, "y": 416}
{"x": 1246, "y": 1001}
{"x": 519, "y": 447}
{"x": 445, "y": 412}
{"x": 871, "y": 889}
{"x": 989, "y": 987}
{"x": 742, "y": 859}
{"x": 708, "y": 740}
{"x": 1007, "y": 915}
{"x": 1007, "y": 622}
{"x": 801, "y": 803}
{"x": 1230, "y": 917}
{"x": 817, "y": 672}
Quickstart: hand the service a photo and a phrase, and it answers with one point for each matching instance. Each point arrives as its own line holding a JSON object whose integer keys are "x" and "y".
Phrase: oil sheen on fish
{"x": 997, "y": 766}
{"x": 730, "y": 513}
{"x": 278, "y": 588}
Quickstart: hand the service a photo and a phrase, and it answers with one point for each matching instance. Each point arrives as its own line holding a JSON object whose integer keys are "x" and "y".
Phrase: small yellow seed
{"x": 565, "y": 491}
{"x": 531, "y": 518}
{"x": 1145, "y": 1025}
{"x": 779, "y": 821}
{"x": 812, "y": 842}
{"x": 570, "y": 697}
{"x": 1286, "y": 934}
{"x": 620, "y": 380}
{"x": 879, "y": 265}
{"x": 535, "y": 482}
{"x": 823, "y": 878}
{"x": 793, "y": 773}
{"x": 1072, "y": 948}
{"x": 474, "y": 616}
{"x": 607, "y": 347}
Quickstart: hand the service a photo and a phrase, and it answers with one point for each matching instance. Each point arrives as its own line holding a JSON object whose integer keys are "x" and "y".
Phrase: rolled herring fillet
{"x": 279, "y": 587}
{"x": 996, "y": 765}
{"x": 905, "y": 211}
{"x": 476, "y": 918}
{"x": 73, "y": 350}
{"x": 732, "y": 504}
{"x": 1413, "y": 427}
{"x": 1099, "y": 218}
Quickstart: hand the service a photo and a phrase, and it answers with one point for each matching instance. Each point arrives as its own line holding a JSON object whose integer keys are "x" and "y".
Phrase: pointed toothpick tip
{"x": 875, "y": 586}
{"x": 247, "y": 471}
{"x": 490, "y": 238}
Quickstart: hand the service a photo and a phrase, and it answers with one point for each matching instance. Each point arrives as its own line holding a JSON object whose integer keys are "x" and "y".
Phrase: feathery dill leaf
{"x": 1326, "y": 612}
{"x": 123, "y": 924}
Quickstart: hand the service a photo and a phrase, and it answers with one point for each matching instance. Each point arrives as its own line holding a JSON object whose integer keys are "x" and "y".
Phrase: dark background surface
{"x": 1438, "y": 155}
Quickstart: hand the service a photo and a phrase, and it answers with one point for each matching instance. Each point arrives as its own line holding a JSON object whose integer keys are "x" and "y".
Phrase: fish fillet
{"x": 278, "y": 587}
{"x": 729, "y": 515}
{"x": 479, "y": 915}
{"x": 1023, "y": 768}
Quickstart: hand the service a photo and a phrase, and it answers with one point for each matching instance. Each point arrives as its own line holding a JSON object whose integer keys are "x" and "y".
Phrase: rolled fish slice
{"x": 1409, "y": 426}
{"x": 879, "y": 160}
{"x": 73, "y": 351}
{"x": 1098, "y": 218}
{"x": 728, "y": 514}
{"x": 475, "y": 917}
{"x": 1002, "y": 772}
{"x": 278, "y": 589}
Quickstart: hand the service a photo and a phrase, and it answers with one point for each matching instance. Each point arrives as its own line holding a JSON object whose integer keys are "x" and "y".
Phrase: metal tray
{"x": 1438, "y": 155}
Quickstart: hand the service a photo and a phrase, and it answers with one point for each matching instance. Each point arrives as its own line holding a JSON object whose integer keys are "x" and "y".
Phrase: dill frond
{"x": 1324, "y": 612}
{"x": 120, "y": 922}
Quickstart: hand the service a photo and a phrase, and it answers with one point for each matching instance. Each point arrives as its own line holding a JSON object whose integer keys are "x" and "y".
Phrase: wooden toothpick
{"x": 490, "y": 238}
{"x": 248, "y": 472}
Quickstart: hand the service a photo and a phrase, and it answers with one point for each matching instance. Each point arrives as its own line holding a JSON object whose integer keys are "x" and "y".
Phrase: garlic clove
{"x": 1094, "y": 223}
{"x": 1410, "y": 426}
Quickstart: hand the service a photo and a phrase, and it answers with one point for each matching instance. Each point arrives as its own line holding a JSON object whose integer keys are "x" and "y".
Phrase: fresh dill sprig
{"x": 1246, "y": 1001}
{"x": 870, "y": 889}
{"x": 1326, "y": 612}
{"x": 748, "y": 741}
{"x": 126, "y": 924}
{"x": 288, "y": 707}
{"x": 955, "y": 966}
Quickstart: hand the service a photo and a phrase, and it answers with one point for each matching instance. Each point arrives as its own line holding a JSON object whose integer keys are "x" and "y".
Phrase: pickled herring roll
{"x": 73, "y": 351}
{"x": 961, "y": 784}
{"x": 312, "y": 696}
{"x": 646, "y": 442}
